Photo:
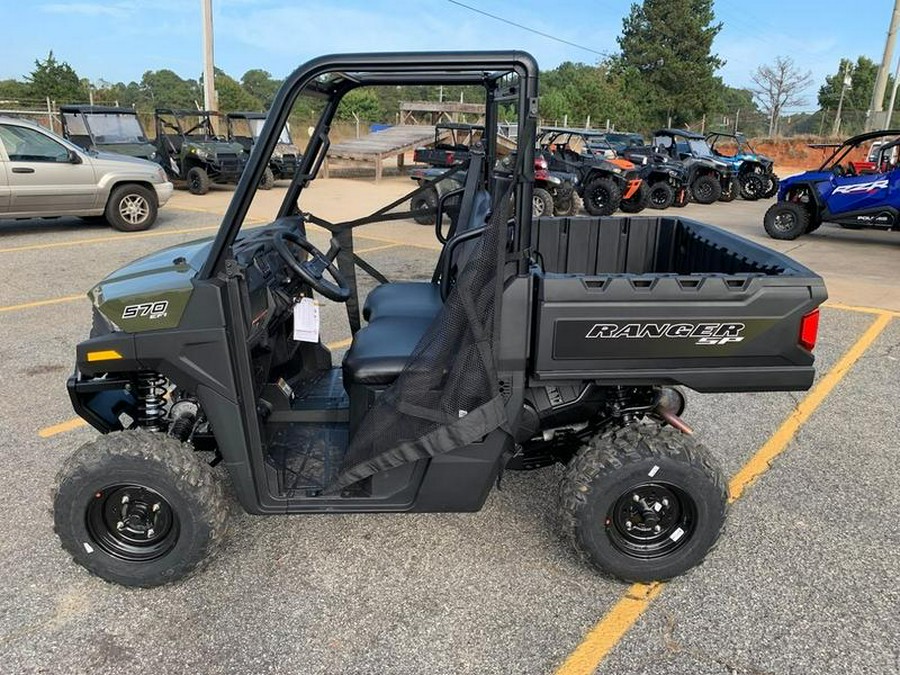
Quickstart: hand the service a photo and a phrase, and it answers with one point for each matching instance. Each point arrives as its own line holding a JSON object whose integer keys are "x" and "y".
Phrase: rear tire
{"x": 131, "y": 208}
{"x": 706, "y": 189}
{"x": 638, "y": 201}
{"x": 541, "y": 203}
{"x": 670, "y": 528}
{"x": 139, "y": 508}
{"x": 730, "y": 194}
{"x": 268, "y": 180}
{"x": 601, "y": 197}
{"x": 772, "y": 184}
{"x": 786, "y": 220}
{"x": 424, "y": 207}
{"x": 198, "y": 181}
{"x": 662, "y": 195}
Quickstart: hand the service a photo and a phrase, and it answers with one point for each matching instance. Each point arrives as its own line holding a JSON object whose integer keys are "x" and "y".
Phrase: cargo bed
{"x": 636, "y": 301}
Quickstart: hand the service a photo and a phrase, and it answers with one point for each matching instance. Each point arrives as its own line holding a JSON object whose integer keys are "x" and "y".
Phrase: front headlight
{"x": 200, "y": 153}
{"x": 160, "y": 175}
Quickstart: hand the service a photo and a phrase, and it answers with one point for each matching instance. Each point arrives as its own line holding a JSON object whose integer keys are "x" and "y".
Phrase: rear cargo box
{"x": 668, "y": 301}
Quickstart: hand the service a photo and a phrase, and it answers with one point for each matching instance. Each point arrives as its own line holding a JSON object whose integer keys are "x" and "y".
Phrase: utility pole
{"x": 737, "y": 116}
{"x": 209, "y": 73}
{"x": 890, "y": 112}
{"x": 875, "y": 116}
{"x": 845, "y": 85}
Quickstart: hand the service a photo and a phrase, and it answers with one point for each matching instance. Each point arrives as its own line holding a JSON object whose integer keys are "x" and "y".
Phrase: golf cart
{"x": 245, "y": 127}
{"x": 103, "y": 128}
{"x": 709, "y": 179}
{"x": 190, "y": 151}
{"x": 755, "y": 172}
{"x": 605, "y": 182}
{"x": 844, "y": 190}
{"x": 536, "y": 341}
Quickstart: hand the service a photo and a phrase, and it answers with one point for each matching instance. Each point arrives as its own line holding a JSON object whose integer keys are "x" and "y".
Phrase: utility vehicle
{"x": 245, "y": 127}
{"x": 850, "y": 193}
{"x": 709, "y": 179}
{"x": 452, "y": 141}
{"x": 537, "y": 341}
{"x": 755, "y": 172}
{"x": 603, "y": 182}
{"x": 191, "y": 151}
{"x": 108, "y": 129}
{"x": 665, "y": 179}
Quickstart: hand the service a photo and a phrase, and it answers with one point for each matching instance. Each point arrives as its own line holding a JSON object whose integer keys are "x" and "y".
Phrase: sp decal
{"x": 151, "y": 310}
{"x": 700, "y": 333}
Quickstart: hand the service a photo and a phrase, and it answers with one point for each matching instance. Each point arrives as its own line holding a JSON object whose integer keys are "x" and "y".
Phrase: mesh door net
{"x": 448, "y": 395}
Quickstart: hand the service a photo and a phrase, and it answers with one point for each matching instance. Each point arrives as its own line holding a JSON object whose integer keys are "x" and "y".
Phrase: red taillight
{"x": 809, "y": 329}
{"x": 450, "y": 157}
{"x": 540, "y": 163}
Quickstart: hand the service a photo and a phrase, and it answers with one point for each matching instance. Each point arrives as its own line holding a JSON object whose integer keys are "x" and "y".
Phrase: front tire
{"x": 772, "y": 183}
{"x": 131, "y": 208}
{"x": 706, "y": 189}
{"x": 268, "y": 179}
{"x": 198, "y": 181}
{"x": 753, "y": 187}
{"x": 786, "y": 220}
{"x": 139, "y": 509}
{"x": 424, "y": 207}
{"x": 662, "y": 195}
{"x": 601, "y": 197}
{"x": 643, "y": 502}
{"x": 638, "y": 202}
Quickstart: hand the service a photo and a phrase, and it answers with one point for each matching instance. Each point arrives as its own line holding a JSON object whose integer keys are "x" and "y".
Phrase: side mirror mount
{"x": 74, "y": 157}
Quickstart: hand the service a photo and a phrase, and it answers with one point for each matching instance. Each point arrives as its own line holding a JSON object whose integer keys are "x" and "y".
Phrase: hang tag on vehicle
{"x": 306, "y": 321}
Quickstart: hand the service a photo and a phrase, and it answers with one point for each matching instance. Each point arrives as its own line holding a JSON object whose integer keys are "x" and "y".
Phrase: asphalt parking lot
{"x": 803, "y": 581}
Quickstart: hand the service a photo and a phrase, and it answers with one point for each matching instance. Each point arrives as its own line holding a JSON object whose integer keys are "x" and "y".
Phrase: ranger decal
{"x": 702, "y": 333}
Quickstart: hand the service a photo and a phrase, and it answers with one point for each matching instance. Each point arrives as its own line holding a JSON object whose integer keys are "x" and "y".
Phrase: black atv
{"x": 191, "y": 152}
{"x": 709, "y": 179}
{"x": 755, "y": 173}
{"x": 536, "y": 341}
{"x": 605, "y": 182}
{"x": 245, "y": 128}
{"x": 452, "y": 141}
{"x": 665, "y": 178}
{"x": 108, "y": 129}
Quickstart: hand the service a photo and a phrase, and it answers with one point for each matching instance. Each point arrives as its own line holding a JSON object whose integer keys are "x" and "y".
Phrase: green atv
{"x": 536, "y": 341}
{"x": 191, "y": 152}
{"x": 109, "y": 129}
{"x": 246, "y": 127}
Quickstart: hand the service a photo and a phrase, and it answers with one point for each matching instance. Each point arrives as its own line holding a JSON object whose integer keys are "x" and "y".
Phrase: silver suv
{"x": 43, "y": 175}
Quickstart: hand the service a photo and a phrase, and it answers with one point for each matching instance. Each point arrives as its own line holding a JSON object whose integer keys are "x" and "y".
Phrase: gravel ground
{"x": 803, "y": 581}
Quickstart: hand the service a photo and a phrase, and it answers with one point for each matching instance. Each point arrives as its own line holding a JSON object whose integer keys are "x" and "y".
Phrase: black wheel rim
{"x": 651, "y": 520}
{"x": 784, "y": 221}
{"x": 599, "y": 197}
{"x": 704, "y": 190}
{"x": 195, "y": 182}
{"x": 132, "y": 523}
{"x": 659, "y": 197}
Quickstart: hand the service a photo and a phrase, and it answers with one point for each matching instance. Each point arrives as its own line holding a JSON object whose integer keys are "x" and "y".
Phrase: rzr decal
{"x": 151, "y": 310}
{"x": 702, "y": 333}
{"x": 871, "y": 186}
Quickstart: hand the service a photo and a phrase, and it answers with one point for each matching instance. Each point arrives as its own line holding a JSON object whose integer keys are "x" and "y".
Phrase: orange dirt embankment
{"x": 793, "y": 155}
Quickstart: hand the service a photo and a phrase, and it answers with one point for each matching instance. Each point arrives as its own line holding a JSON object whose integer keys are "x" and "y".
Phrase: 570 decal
{"x": 702, "y": 333}
{"x": 151, "y": 310}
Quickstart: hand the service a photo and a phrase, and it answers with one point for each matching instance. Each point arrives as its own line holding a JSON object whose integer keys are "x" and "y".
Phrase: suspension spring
{"x": 151, "y": 402}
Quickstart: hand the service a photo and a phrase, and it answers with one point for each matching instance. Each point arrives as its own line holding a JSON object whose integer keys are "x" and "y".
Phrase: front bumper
{"x": 163, "y": 192}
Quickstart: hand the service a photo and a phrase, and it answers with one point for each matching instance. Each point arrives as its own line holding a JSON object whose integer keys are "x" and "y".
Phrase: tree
{"x": 260, "y": 84}
{"x": 55, "y": 79}
{"x": 360, "y": 103}
{"x": 13, "y": 90}
{"x": 779, "y": 86}
{"x": 858, "y": 95}
{"x": 232, "y": 96}
{"x": 164, "y": 88}
{"x": 666, "y": 45}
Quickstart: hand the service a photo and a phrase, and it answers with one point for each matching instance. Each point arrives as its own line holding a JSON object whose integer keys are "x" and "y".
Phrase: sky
{"x": 117, "y": 40}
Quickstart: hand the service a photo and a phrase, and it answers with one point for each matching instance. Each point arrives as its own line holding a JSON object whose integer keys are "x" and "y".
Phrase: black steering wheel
{"x": 312, "y": 271}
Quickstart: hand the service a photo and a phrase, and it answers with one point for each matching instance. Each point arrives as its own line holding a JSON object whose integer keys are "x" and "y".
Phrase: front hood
{"x": 214, "y": 147}
{"x": 807, "y": 176}
{"x": 282, "y": 149}
{"x": 113, "y": 160}
{"x": 151, "y": 293}
{"x": 139, "y": 150}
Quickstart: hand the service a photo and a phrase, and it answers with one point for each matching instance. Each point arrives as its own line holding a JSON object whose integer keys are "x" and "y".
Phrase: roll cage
{"x": 204, "y": 125}
{"x": 330, "y": 78}
{"x": 851, "y": 144}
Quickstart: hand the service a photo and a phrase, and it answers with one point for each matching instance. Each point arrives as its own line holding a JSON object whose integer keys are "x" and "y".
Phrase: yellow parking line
{"x": 609, "y": 631}
{"x": 98, "y": 240}
{"x": 77, "y": 422}
{"x": 41, "y": 303}
{"x": 62, "y": 427}
{"x": 860, "y": 308}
